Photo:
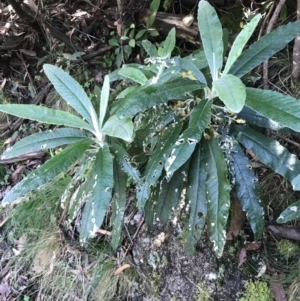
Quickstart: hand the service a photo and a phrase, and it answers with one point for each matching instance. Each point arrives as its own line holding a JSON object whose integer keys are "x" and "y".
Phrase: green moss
{"x": 257, "y": 290}
{"x": 287, "y": 249}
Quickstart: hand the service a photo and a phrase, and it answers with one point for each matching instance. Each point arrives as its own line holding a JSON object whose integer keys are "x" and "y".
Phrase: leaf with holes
{"x": 149, "y": 96}
{"x": 43, "y": 141}
{"x": 217, "y": 193}
{"x": 96, "y": 194}
{"x": 123, "y": 159}
{"x": 186, "y": 143}
{"x": 290, "y": 213}
{"x": 118, "y": 205}
{"x": 156, "y": 162}
{"x": 196, "y": 200}
{"x": 247, "y": 190}
{"x": 169, "y": 194}
{"x": 48, "y": 170}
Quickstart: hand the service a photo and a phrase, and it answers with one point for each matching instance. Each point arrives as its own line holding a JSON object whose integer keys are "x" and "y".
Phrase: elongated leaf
{"x": 119, "y": 205}
{"x": 45, "y": 115}
{"x": 169, "y": 43}
{"x": 147, "y": 97}
{"x": 43, "y": 141}
{"x": 211, "y": 35}
{"x": 281, "y": 108}
{"x": 264, "y": 48}
{"x": 70, "y": 90}
{"x": 123, "y": 160}
{"x": 186, "y": 143}
{"x": 290, "y": 213}
{"x": 188, "y": 65}
{"x": 150, "y": 48}
{"x": 217, "y": 193}
{"x": 196, "y": 200}
{"x": 169, "y": 195}
{"x": 134, "y": 74}
{"x": 119, "y": 128}
{"x": 247, "y": 190}
{"x": 48, "y": 170}
{"x": 231, "y": 91}
{"x": 156, "y": 162}
{"x": 269, "y": 152}
{"x": 103, "y": 100}
{"x": 240, "y": 42}
{"x": 96, "y": 194}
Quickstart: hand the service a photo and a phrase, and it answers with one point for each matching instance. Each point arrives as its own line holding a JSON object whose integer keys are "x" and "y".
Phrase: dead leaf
{"x": 121, "y": 269}
{"x": 4, "y": 290}
{"x": 30, "y": 53}
{"x": 242, "y": 256}
{"x": 277, "y": 288}
{"x": 237, "y": 220}
{"x": 104, "y": 232}
{"x": 262, "y": 271}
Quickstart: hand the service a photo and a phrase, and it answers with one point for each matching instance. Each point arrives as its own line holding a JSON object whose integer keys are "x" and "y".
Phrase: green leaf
{"x": 48, "y": 170}
{"x": 189, "y": 66}
{"x": 196, "y": 200}
{"x": 119, "y": 128}
{"x": 217, "y": 193}
{"x": 170, "y": 192}
{"x": 123, "y": 160}
{"x": 96, "y": 194}
{"x": 131, "y": 43}
{"x": 240, "y": 42}
{"x": 150, "y": 48}
{"x": 43, "y": 141}
{"x": 169, "y": 43}
{"x": 186, "y": 143}
{"x": 45, "y": 115}
{"x": 290, "y": 213}
{"x": 231, "y": 91}
{"x": 134, "y": 74}
{"x": 211, "y": 35}
{"x": 118, "y": 205}
{"x": 70, "y": 90}
{"x": 104, "y": 100}
{"x": 153, "y": 7}
{"x": 156, "y": 162}
{"x": 269, "y": 152}
{"x": 147, "y": 97}
{"x": 264, "y": 48}
{"x": 247, "y": 190}
{"x": 281, "y": 108}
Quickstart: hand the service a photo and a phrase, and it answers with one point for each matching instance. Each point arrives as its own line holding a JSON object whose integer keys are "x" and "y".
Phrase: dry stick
{"x": 269, "y": 29}
{"x": 296, "y": 51}
{"x": 133, "y": 238}
{"x": 286, "y": 139}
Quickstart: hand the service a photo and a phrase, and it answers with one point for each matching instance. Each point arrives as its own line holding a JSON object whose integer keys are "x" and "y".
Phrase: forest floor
{"x": 39, "y": 260}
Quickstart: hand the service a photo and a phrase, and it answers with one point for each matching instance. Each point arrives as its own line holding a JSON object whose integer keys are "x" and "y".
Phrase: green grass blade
{"x": 48, "y": 170}
{"x": 45, "y": 115}
{"x": 43, "y": 141}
